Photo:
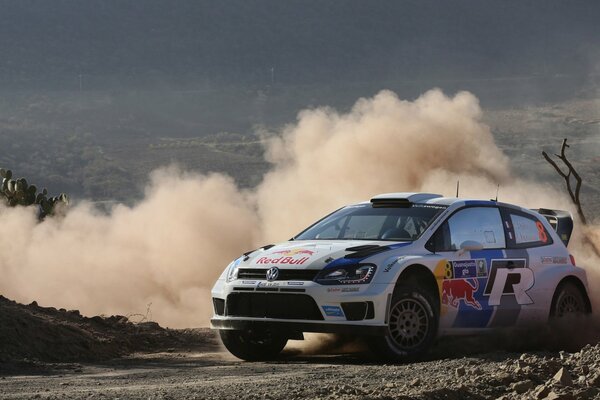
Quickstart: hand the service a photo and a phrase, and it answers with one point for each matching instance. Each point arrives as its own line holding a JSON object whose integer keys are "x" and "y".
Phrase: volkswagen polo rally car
{"x": 402, "y": 269}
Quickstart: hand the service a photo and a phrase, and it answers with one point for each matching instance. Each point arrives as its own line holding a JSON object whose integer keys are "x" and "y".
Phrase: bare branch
{"x": 567, "y": 177}
{"x": 556, "y": 167}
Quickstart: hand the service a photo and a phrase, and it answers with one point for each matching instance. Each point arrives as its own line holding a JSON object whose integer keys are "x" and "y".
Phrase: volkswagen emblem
{"x": 272, "y": 274}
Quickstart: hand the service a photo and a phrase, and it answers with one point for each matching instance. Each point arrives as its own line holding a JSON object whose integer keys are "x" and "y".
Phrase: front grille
{"x": 273, "y": 305}
{"x": 284, "y": 274}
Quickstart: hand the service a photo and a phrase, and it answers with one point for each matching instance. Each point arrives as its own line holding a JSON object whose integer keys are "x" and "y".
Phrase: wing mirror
{"x": 469, "y": 245}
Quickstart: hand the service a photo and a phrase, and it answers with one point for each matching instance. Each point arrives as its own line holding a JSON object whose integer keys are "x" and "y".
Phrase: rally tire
{"x": 253, "y": 346}
{"x": 413, "y": 320}
{"x": 568, "y": 301}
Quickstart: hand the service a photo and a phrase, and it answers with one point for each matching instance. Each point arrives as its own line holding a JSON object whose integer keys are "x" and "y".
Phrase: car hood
{"x": 314, "y": 254}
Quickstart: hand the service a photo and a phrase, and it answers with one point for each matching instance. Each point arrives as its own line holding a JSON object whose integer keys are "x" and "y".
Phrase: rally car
{"x": 402, "y": 269}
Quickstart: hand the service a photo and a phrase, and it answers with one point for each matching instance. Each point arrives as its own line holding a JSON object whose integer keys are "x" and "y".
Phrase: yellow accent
{"x": 440, "y": 274}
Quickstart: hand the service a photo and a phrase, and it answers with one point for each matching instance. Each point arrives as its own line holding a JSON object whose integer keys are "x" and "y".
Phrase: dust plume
{"x": 169, "y": 248}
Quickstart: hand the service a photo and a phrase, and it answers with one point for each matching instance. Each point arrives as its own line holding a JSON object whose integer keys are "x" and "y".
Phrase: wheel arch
{"x": 422, "y": 276}
{"x": 579, "y": 284}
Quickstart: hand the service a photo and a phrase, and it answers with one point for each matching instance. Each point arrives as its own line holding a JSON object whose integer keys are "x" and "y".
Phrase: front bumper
{"x": 297, "y": 327}
{"x": 301, "y": 307}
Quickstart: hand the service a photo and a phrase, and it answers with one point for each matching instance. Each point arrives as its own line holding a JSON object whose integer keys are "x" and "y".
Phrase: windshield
{"x": 365, "y": 222}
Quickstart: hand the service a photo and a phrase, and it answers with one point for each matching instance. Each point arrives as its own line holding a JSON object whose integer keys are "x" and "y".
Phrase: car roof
{"x": 438, "y": 199}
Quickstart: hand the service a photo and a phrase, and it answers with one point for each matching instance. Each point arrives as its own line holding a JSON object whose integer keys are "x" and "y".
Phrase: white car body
{"x": 478, "y": 289}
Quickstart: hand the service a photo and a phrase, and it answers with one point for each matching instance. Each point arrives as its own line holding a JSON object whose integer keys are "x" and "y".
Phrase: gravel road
{"x": 214, "y": 374}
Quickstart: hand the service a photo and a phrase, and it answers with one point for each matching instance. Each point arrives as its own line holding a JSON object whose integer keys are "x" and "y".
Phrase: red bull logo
{"x": 288, "y": 257}
{"x": 455, "y": 290}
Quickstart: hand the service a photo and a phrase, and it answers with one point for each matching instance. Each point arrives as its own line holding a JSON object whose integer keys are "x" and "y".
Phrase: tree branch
{"x": 567, "y": 177}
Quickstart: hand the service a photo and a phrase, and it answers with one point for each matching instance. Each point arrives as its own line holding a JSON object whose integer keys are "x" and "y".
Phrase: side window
{"x": 528, "y": 231}
{"x": 481, "y": 224}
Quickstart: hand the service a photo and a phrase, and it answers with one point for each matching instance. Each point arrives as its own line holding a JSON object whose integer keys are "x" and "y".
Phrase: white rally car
{"x": 402, "y": 269}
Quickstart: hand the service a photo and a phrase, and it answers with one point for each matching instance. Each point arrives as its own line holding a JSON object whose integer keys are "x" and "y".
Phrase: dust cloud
{"x": 169, "y": 248}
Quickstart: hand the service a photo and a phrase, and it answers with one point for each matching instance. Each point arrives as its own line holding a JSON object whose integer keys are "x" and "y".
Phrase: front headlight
{"x": 347, "y": 275}
{"x": 232, "y": 270}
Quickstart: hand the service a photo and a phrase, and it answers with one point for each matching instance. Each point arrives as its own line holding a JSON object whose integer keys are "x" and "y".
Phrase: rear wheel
{"x": 412, "y": 324}
{"x": 253, "y": 345}
{"x": 568, "y": 301}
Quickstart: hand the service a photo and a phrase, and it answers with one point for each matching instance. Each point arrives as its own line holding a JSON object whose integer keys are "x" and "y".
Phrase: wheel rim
{"x": 409, "y": 323}
{"x": 568, "y": 304}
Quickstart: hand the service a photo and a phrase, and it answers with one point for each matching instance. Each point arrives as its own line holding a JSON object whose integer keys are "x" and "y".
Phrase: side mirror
{"x": 470, "y": 245}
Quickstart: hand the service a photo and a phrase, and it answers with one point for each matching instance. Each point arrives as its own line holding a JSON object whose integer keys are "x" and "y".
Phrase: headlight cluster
{"x": 347, "y": 275}
{"x": 232, "y": 270}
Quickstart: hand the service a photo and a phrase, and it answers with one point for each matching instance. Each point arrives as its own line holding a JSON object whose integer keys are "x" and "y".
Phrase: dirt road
{"x": 216, "y": 375}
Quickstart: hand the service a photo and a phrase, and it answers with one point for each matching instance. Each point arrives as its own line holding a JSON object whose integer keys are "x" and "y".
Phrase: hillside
{"x": 195, "y": 44}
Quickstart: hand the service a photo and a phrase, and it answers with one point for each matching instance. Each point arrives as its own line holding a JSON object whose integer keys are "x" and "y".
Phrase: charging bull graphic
{"x": 455, "y": 290}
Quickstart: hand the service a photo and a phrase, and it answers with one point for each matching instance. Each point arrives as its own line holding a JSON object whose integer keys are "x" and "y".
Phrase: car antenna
{"x": 497, "y": 190}
{"x": 457, "y": 187}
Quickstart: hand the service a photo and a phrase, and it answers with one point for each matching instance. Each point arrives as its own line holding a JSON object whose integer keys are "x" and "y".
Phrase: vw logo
{"x": 272, "y": 274}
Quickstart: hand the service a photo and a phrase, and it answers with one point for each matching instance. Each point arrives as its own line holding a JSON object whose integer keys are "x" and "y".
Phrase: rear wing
{"x": 561, "y": 221}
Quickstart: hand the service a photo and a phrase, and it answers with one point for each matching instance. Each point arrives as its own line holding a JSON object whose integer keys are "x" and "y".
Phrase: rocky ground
{"x": 216, "y": 375}
{"x": 58, "y": 354}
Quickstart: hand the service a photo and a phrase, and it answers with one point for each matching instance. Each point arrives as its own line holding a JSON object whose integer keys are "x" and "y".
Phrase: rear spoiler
{"x": 561, "y": 221}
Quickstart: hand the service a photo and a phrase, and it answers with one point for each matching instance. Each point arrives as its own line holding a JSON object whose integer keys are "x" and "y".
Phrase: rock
{"x": 585, "y": 369}
{"x": 522, "y": 387}
{"x": 563, "y": 377}
{"x": 415, "y": 382}
{"x": 595, "y": 380}
{"x": 460, "y": 371}
{"x": 559, "y": 396}
{"x": 541, "y": 392}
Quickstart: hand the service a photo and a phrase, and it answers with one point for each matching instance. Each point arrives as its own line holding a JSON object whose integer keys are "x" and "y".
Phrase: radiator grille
{"x": 284, "y": 274}
{"x": 273, "y": 305}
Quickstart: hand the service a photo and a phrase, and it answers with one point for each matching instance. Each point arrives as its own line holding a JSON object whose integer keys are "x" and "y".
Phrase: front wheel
{"x": 412, "y": 325}
{"x": 253, "y": 345}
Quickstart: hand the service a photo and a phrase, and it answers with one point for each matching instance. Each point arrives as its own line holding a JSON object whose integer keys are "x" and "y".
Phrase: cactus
{"x": 20, "y": 192}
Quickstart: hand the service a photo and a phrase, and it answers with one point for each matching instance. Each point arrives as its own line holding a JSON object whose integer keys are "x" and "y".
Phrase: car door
{"x": 476, "y": 278}
{"x": 529, "y": 240}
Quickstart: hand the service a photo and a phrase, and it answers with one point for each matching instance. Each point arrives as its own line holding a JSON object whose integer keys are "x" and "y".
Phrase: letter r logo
{"x": 511, "y": 282}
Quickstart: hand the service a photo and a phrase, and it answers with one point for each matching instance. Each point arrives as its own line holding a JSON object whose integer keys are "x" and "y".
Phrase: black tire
{"x": 413, "y": 321}
{"x": 568, "y": 301}
{"x": 253, "y": 345}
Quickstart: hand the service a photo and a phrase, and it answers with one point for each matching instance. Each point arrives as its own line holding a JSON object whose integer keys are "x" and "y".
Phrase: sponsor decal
{"x": 455, "y": 290}
{"x": 554, "y": 260}
{"x": 288, "y": 257}
{"x": 350, "y": 289}
{"x": 248, "y": 282}
{"x": 268, "y": 284}
{"x": 333, "y": 311}
{"x": 389, "y": 267}
{"x": 293, "y": 283}
{"x": 465, "y": 269}
{"x": 334, "y": 289}
{"x": 509, "y": 278}
{"x": 391, "y": 264}
{"x": 481, "y": 267}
